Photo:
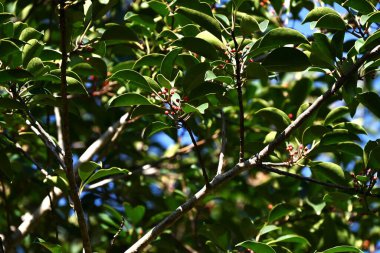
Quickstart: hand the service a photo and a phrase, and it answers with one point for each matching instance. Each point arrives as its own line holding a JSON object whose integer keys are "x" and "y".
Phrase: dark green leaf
{"x": 291, "y": 238}
{"x": 370, "y": 100}
{"x": 14, "y": 75}
{"x": 279, "y": 211}
{"x": 328, "y": 171}
{"x": 330, "y": 21}
{"x": 129, "y": 99}
{"x": 134, "y": 214}
{"x": 87, "y": 169}
{"x": 210, "y": 38}
{"x": 255, "y": 70}
{"x": 53, "y": 248}
{"x": 342, "y": 249}
{"x": 274, "y": 116}
{"x": 198, "y": 46}
{"x": 248, "y": 24}
{"x": 116, "y": 34}
{"x": 336, "y": 114}
{"x": 106, "y": 173}
{"x": 286, "y": 59}
{"x": 149, "y": 61}
{"x": 195, "y": 76}
{"x": 9, "y": 103}
{"x": 282, "y": 36}
{"x": 351, "y": 127}
{"x": 167, "y": 64}
{"x": 32, "y": 49}
{"x": 36, "y": 67}
{"x": 256, "y": 247}
{"x": 362, "y": 6}
{"x": 318, "y": 13}
{"x": 30, "y": 33}
{"x": 154, "y": 128}
{"x": 374, "y": 158}
{"x": 203, "y": 19}
{"x": 132, "y": 76}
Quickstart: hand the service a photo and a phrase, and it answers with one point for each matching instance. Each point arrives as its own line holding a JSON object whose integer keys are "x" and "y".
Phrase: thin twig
{"x": 248, "y": 164}
{"x": 118, "y": 232}
{"x": 239, "y": 85}
{"x": 346, "y": 189}
{"x": 68, "y": 159}
{"x": 223, "y": 145}
{"x": 197, "y": 151}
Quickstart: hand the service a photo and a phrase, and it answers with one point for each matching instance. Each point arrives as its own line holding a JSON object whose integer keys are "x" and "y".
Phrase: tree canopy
{"x": 189, "y": 126}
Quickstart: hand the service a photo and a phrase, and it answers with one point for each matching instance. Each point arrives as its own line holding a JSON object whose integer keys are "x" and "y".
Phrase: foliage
{"x": 157, "y": 90}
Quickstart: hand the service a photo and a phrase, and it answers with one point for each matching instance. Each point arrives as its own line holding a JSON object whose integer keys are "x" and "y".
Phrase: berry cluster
{"x": 365, "y": 180}
{"x": 171, "y": 101}
{"x": 296, "y": 154}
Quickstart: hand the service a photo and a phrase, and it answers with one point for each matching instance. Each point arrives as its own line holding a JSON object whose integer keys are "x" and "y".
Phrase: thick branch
{"x": 253, "y": 161}
{"x": 68, "y": 159}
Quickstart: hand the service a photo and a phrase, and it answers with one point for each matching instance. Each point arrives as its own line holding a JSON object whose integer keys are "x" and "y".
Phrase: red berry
{"x": 166, "y": 112}
{"x": 173, "y": 113}
{"x": 186, "y": 98}
{"x": 251, "y": 60}
{"x": 290, "y": 115}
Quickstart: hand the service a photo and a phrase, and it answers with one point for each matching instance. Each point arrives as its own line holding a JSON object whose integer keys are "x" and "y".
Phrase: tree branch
{"x": 32, "y": 219}
{"x": 248, "y": 164}
{"x": 223, "y": 145}
{"x": 68, "y": 159}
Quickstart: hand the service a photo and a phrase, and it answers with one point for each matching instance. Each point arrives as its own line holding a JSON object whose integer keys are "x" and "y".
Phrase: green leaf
{"x": 350, "y": 148}
{"x": 7, "y": 48}
{"x": 362, "y": 6}
{"x": 167, "y": 64}
{"x": 154, "y": 128}
{"x": 129, "y": 99}
{"x": 330, "y": 21}
{"x": 317, "y": 207}
{"x": 36, "y": 67}
{"x": 248, "y": 24}
{"x": 204, "y": 20}
{"x": 149, "y": 60}
{"x": 164, "y": 82}
{"x": 106, "y": 173}
{"x": 198, "y": 46}
{"x": 14, "y": 75}
{"x": 282, "y": 36}
{"x": 351, "y": 127}
{"x": 286, "y": 59}
{"x": 321, "y": 52}
{"x": 87, "y": 169}
{"x": 30, "y": 33}
{"x": 267, "y": 229}
{"x": 195, "y": 76}
{"x": 274, "y": 116}
{"x": 370, "y": 100}
{"x": 342, "y": 249}
{"x": 336, "y": 114}
{"x": 256, "y": 247}
{"x": 32, "y": 49}
{"x": 98, "y": 65}
{"x": 116, "y": 34}
{"x": 328, "y": 171}
{"x": 132, "y": 76}
{"x": 134, "y": 214}
{"x": 279, "y": 211}
{"x": 255, "y": 70}
{"x": 290, "y": 238}
{"x": 317, "y": 13}
{"x": 373, "y": 17}
{"x": 54, "y": 248}
{"x": 374, "y": 158}
{"x": 9, "y": 103}
{"x": 338, "y": 135}
{"x": 210, "y": 38}
{"x": 187, "y": 108}
{"x": 371, "y": 42}
{"x": 313, "y": 133}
